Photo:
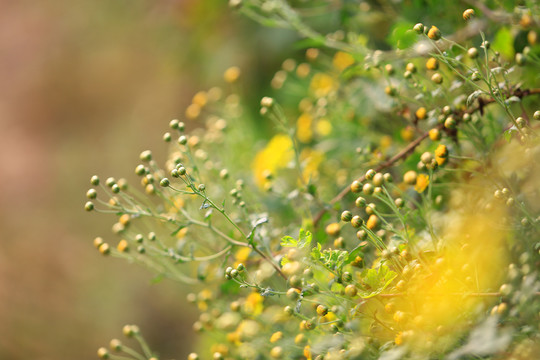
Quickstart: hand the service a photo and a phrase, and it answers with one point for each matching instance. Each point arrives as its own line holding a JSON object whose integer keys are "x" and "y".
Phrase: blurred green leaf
{"x": 401, "y": 36}
{"x": 504, "y": 43}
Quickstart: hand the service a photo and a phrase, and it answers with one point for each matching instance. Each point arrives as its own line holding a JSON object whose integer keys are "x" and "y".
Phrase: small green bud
{"x": 89, "y": 206}
{"x": 201, "y": 187}
{"x": 182, "y": 140}
{"x": 181, "y": 171}
{"x": 234, "y": 273}
{"x": 164, "y": 182}
{"x": 472, "y": 52}
{"x": 167, "y": 137}
{"x": 240, "y": 267}
{"x": 110, "y": 181}
{"x": 419, "y": 28}
{"x": 146, "y": 155}
{"x": 174, "y": 124}
{"x": 115, "y": 345}
{"x": 224, "y": 174}
{"x": 370, "y": 174}
{"x": 91, "y": 194}
{"x": 361, "y": 234}
{"x": 115, "y": 188}
{"x": 140, "y": 170}
{"x": 536, "y": 115}
{"x": 360, "y": 202}
{"x": 103, "y": 353}
{"x": 346, "y": 216}
{"x": 139, "y": 238}
{"x": 357, "y": 221}
{"x": 94, "y": 180}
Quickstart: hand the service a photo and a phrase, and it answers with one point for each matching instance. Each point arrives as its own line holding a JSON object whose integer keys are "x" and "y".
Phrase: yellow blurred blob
{"x": 310, "y": 159}
{"x": 254, "y": 304}
{"x": 448, "y": 289}
{"x": 323, "y": 127}
{"x": 342, "y": 60}
{"x": 322, "y": 84}
{"x": 276, "y": 155}
{"x": 303, "y": 128}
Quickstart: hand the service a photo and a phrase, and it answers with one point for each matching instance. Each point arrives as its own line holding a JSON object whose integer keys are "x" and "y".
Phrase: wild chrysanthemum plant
{"x": 393, "y": 214}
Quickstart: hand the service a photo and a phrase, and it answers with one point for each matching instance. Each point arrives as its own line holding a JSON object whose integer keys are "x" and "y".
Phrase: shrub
{"x": 394, "y": 212}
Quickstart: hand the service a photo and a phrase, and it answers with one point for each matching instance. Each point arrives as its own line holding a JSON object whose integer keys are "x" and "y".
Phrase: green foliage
{"x": 410, "y": 175}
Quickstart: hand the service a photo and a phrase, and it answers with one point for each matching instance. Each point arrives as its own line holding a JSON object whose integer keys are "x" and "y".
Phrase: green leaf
{"x": 504, "y": 43}
{"x": 288, "y": 241}
{"x": 376, "y": 280}
{"x": 401, "y": 35}
{"x": 304, "y": 238}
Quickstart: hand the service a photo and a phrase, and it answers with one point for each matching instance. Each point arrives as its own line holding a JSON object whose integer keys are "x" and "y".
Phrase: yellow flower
{"x": 303, "y": 128}
{"x": 276, "y": 155}
{"x": 307, "y": 352}
{"x": 422, "y": 182}
{"x": 342, "y": 60}
{"x": 322, "y": 84}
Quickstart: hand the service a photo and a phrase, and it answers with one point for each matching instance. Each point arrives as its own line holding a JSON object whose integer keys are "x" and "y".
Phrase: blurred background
{"x": 86, "y": 86}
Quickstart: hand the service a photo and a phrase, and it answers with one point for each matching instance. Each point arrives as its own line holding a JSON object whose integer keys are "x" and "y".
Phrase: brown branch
{"x": 403, "y": 154}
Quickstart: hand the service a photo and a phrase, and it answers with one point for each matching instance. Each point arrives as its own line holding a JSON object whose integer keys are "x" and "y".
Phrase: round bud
{"x": 367, "y": 189}
{"x": 293, "y": 294}
{"x": 399, "y": 203}
{"x": 182, "y": 140}
{"x": 468, "y": 14}
{"x": 356, "y": 186}
{"x": 240, "y": 267}
{"x": 234, "y": 273}
{"x": 346, "y": 216}
{"x": 520, "y": 122}
{"x": 357, "y": 221}
{"x": 351, "y": 290}
{"x": 94, "y": 180}
{"x": 360, "y": 202}
{"x": 475, "y": 76}
{"x": 110, "y": 181}
{"x": 370, "y": 174}
{"x": 434, "y": 33}
{"x": 174, "y": 173}
{"x": 450, "y": 123}
{"x": 146, "y": 155}
{"x": 419, "y": 28}
{"x": 173, "y": 124}
{"x": 91, "y": 194}
{"x": 103, "y": 353}
{"x": 536, "y": 115}
{"x": 89, "y": 206}
{"x": 437, "y": 78}
{"x": 181, "y": 171}
{"x": 288, "y": 310}
{"x": 115, "y": 345}
{"x": 164, "y": 182}
{"x": 378, "y": 179}
{"x": 193, "y": 356}
{"x": 224, "y": 174}
{"x": 361, "y": 234}
{"x": 426, "y": 157}
{"x": 472, "y": 52}
{"x": 140, "y": 170}
{"x": 115, "y": 188}
{"x": 486, "y": 44}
